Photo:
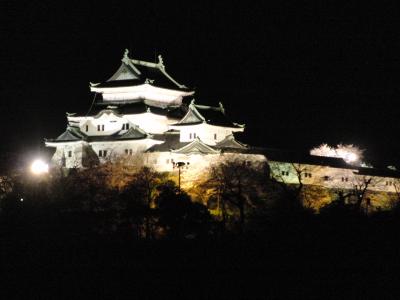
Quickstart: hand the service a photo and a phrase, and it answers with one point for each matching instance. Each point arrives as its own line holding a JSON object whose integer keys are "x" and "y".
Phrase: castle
{"x": 142, "y": 109}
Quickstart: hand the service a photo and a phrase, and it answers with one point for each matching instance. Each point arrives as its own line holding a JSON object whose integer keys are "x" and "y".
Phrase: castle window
{"x": 69, "y": 153}
{"x": 215, "y": 136}
{"x": 126, "y": 151}
{"x": 98, "y": 127}
{"x": 326, "y": 178}
{"x": 130, "y": 151}
{"x": 190, "y": 136}
{"x": 104, "y": 153}
{"x": 87, "y": 128}
{"x": 194, "y": 135}
{"x": 102, "y": 127}
{"x": 125, "y": 126}
{"x": 307, "y": 175}
{"x": 100, "y": 151}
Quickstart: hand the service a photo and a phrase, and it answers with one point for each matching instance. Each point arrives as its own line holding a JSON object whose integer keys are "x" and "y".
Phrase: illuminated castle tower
{"x": 140, "y": 109}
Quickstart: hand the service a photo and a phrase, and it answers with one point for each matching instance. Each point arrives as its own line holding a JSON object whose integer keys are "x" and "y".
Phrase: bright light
{"x": 39, "y": 167}
{"x": 351, "y": 157}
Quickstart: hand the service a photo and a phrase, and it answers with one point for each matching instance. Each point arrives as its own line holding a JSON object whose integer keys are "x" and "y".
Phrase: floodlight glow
{"x": 351, "y": 157}
{"x": 39, "y": 167}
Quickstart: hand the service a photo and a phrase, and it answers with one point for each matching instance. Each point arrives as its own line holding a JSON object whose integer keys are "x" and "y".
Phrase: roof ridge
{"x": 159, "y": 65}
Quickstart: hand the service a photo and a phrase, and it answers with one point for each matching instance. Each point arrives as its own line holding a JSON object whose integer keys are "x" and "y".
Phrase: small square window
{"x": 69, "y": 153}
{"x": 100, "y": 153}
{"x": 102, "y": 127}
{"x": 215, "y": 136}
{"x": 98, "y": 127}
{"x": 87, "y": 128}
{"x": 190, "y": 136}
{"x": 104, "y": 153}
{"x": 194, "y": 135}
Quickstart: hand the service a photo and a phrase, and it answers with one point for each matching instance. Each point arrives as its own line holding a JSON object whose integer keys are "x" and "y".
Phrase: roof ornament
{"x": 126, "y": 59}
{"x": 221, "y": 107}
{"x": 161, "y": 61}
{"x": 148, "y": 109}
{"x": 192, "y": 102}
{"x": 149, "y": 81}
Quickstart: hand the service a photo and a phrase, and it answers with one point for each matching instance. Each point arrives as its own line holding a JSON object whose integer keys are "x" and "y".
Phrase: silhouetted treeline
{"x": 85, "y": 222}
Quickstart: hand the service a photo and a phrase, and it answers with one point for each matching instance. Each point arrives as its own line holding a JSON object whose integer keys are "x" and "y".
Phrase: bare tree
{"x": 281, "y": 174}
{"x": 236, "y": 183}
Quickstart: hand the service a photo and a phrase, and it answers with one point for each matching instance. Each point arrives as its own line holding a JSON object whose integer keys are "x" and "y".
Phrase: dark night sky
{"x": 297, "y": 75}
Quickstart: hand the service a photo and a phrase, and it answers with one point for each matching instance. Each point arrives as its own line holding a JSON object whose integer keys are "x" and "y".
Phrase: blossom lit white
{"x": 350, "y": 154}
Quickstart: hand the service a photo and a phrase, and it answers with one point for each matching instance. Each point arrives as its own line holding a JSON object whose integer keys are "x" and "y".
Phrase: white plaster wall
{"x": 75, "y": 161}
{"x": 117, "y": 149}
{"x": 149, "y": 122}
{"x": 205, "y": 132}
{"x": 145, "y": 91}
{"x": 199, "y": 165}
{"x": 335, "y": 177}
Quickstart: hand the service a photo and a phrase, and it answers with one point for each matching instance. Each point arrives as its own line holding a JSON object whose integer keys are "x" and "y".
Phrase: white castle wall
{"x": 332, "y": 178}
{"x": 149, "y": 122}
{"x": 208, "y": 134}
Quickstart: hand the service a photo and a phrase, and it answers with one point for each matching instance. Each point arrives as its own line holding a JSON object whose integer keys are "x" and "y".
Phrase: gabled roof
{"x": 196, "y": 147}
{"x": 133, "y": 133}
{"x": 198, "y": 114}
{"x": 71, "y": 134}
{"x": 171, "y": 142}
{"x": 108, "y": 111}
{"x": 230, "y": 142}
{"x": 136, "y": 72}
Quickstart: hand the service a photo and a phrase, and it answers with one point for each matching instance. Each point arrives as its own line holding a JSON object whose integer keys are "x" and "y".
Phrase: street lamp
{"x": 39, "y": 167}
{"x": 179, "y": 165}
